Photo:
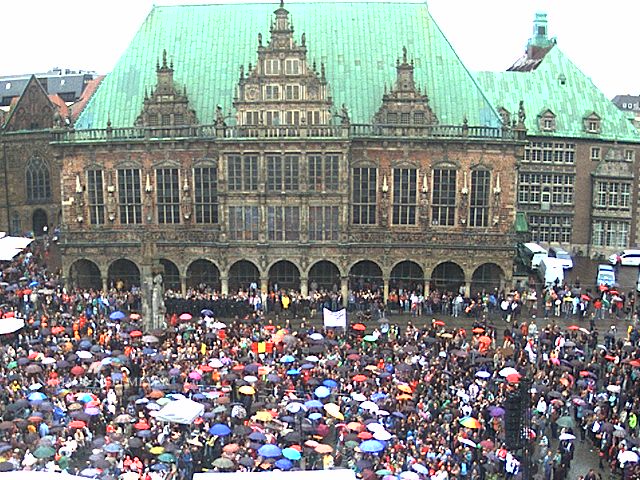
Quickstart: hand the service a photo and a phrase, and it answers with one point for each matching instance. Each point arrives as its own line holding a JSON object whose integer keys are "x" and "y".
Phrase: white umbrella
{"x": 316, "y": 336}
{"x": 218, "y": 325}
{"x": 358, "y": 397}
{"x": 295, "y": 407}
{"x": 483, "y": 374}
{"x": 375, "y": 427}
{"x": 614, "y": 388}
{"x": 85, "y": 355}
{"x": 369, "y": 405}
{"x": 216, "y": 363}
{"x": 628, "y": 456}
{"x": 381, "y": 435}
{"x": 468, "y": 442}
{"x": 505, "y": 372}
{"x": 567, "y": 436}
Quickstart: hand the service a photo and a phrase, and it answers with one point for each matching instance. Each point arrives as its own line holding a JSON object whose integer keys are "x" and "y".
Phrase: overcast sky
{"x": 601, "y": 38}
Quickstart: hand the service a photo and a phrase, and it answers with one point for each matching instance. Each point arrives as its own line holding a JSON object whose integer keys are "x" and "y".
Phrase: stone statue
{"x": 344, "y": 115}
{"x": 521, "y": 115}
{"x": 219, "y": 117}
{"x": 158, "y": 308}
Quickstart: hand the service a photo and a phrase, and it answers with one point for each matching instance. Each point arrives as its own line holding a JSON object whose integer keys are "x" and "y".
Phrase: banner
{"x": 335, "y": 319}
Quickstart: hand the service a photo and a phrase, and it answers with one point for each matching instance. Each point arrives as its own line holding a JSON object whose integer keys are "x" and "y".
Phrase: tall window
{"x": 610, "y": 233}
{"x": 323, "y": 173}
{"x": 324, "y": 223}
{"x": 242, "y": 173}
{"x": 557, "y": 152}
{"x": 243, "y": 223}
{"x": 168, "y": 195}
{"x": 283, "y": 223}
{"x": 205, "y": 180}
{"x": 615, "y": 195}
{"x": 95, "y": 191}
{"x": 405, "y": 185}
{"x": 129, "y": 195}
{"x": 16, "y": 224}
{"x": 444, "y": 197}
{"x": 363, "y": 199}
{"x": 479, "y": 201}
{"x": 283, "y": 173}
{"x": 38, "y": 180}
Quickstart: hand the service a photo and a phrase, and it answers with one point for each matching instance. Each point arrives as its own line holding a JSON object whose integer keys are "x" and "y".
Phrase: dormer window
{"x": 547, "y": 121}
{"x": 592, "y": 123}
{"x": 272, "y": 92}
{"x": 272, "y": 66}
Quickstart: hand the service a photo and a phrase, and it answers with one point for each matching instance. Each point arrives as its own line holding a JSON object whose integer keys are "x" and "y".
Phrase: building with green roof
{"x": 574, "y": 132}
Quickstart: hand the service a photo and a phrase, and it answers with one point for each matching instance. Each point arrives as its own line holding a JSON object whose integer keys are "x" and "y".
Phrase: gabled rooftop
{"x": 357, "y": 42}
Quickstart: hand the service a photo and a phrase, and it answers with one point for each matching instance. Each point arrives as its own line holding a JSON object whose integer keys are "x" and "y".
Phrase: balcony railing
{"x": 353, "y": 131}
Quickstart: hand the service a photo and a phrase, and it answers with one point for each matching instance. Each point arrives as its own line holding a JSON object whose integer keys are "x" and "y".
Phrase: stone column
{"x": 183, "y": 285}
{"x": 467, "y": 287}
{"x": 385, "y": 289}
{"x": 146, "y": 282}
{"x": 224, "y": 285}
{"x": 304, "y": 286}
{"x": 105, "y": 282}
{"x": 344, "y": 290}
{"x": 264, "y": 284}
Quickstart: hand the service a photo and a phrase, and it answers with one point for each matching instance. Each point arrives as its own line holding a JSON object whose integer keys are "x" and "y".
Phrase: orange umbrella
{"x": 478, "y": 330}
{"x": 404, "y": 396}
{"x": 404, "y": 388}
{"x": 484, "y": 339}
{"x": 439, "y": 323}
{"x": 470, "y": 422}
{"x": 573, "y": 327}
{"x": 359, "y": 327}
{"x": 359, "y": 378}
{"x": 365, "y": 435}
{"x": 355, "y": 426}
{"x": 324, "y": 448}
{"x": 77, "y": 424}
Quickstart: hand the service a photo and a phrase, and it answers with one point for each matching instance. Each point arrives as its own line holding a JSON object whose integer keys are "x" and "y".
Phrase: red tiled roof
{"x": 60, "y": 105}
{"x": 89, "y": 90}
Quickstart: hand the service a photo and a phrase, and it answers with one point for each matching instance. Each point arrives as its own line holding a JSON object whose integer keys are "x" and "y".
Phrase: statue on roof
{"x": 219, "y": 117}
{"x": 521, "y": 114}
{"x": 343, "y": 115}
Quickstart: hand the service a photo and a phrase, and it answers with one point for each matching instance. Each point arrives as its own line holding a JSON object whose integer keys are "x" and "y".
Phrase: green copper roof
{"x": 358, "y": 43}
{"x": 542, "y": 89}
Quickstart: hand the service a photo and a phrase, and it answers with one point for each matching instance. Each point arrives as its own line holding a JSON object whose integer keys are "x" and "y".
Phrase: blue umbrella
{"x": 315, "y": 416}
{"x": 322, "y": 392}
{"x": 36, "y": 397}
{"x": 112, "y": 448}
{"x": 291, "y": 454}
{"x": 33, "y": 284}
{"x": 378, "y": 396}
{"x": 371, "y": 446}
{"x": 117, "y": 315}
{"x": 220, "y": 429}
{"x": 288, "y": 359}
{"x": 293, "y": 371}
{"x": 206, "y": 313}
{"x": 257, "y": 436}
{"x": 329, "y": 382}
{"x": 269, "y": 451}
{"x": 307, "y": 366}
{"x": 313, "y": 404}
{"x": 284, "y": 464}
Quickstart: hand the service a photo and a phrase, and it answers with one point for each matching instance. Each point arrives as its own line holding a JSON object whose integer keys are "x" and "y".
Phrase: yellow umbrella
{"x": 247, "y": 390}
{"x": 263, "y": 416}
{"x": 334, "y": 410}
{"x": 157, "y": 450}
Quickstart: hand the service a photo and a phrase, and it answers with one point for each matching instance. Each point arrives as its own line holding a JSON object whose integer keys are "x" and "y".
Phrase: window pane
{"x": 38, "y": 180}
{"x": 443, "y": 197}
{"x": 129, "y": 196}
{"x": 404, "y": 196}
{"x": 243, "y": 223}
{"x": 323, "y": 223}
{"x": 479, "y": 202}
{"x": 95, "y": 191}
{"x": 364, "y": 196}
{"x": 168, "y": 195}
{"x": 205, "y": 181}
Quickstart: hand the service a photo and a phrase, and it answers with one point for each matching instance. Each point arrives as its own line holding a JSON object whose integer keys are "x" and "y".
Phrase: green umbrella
{"x": 566, "y": 422}
{"x": 383, "y": 472}
{"x": 12, "y": 364}
{"x": 351, "y": 444}
{"x": 369, "y": 338}
{"x": 167, "y": 458}
{"x": 44, "y": 451}
{"x": 223, "y": 463}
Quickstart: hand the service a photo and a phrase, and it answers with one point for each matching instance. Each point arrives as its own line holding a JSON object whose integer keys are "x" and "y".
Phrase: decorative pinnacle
{"x": 164, "y": 58}
{"x": 404, "y": 54}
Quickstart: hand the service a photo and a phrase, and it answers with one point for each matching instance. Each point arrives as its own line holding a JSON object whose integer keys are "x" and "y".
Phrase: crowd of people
{"x": 84, "y": 387}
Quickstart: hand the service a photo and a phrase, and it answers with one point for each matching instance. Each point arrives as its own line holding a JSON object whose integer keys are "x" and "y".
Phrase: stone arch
{"x": 243, "y": 275}
{"x": 203, "y": 273}
{"x": 84, "y": 273}
{"x": 171, "y": 275}
{"x": 284, "y": 275}
{"x": 40, "y": 220}
{"x": 123, "y": 274}
{"x": 487, "y": 277}
{"x": 447, "y": 276}
{"x": 407, "y": 275}
{"x": 324, "y": 275}
{"x": 365, "y": 275}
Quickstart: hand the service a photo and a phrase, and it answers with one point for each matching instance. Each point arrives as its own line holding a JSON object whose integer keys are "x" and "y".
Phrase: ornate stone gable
{"x": 405, "y": 103}
{"x": 33, "y": 111}
{"x": 282, "y": 88}
{"x": 166, "y": 106}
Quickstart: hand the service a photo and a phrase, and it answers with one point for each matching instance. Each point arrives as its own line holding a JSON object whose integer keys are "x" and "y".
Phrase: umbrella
{"x": 409, "y": 476}
{"x": 44, "y": 451}
{"x": 470, "y": 422}
{"x": 223, "y": 462}
{"x": 483, "y": 374}
{"x": 371, "y": 446}
{"x": 505, "y": 372}
{"x": 322, "y": 391}
{"x": 323, "y": 448}
{"x": 291, "y": 454}
{"x": 185, "y": 316}
{"x": 166, "y": 458}
{"x": 112, "y": 447}
{"x": 359, "y": 327}
{"x": 421, "y": 469}
{"x": 77, "y": 424}
{"x": 257, "y": 436}
{"x": 468, "y": 442}
{"x": 247, "y": 390}
{"x": 330, "y": 383}
{"x": 269, "y": 450}
{"x": 150, "y": 339}
{"x": 565, "y": 422}
{"x": 36, "y": 397}
{"x": 220, "y": 429}
{"x": 117, "y": 315}
{"x": 566, "y": 436}
{"x": 628, "y": 456}
{"x": 496, "y": 411}
{"x": 284, "y": 464}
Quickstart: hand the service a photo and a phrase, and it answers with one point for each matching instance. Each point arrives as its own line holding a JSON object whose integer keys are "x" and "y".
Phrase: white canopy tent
{"x": 12, "y": 246}
{"x": 183, "y": 411}
{"x": 338, "y": 474}
{"x": 38, "y": 475}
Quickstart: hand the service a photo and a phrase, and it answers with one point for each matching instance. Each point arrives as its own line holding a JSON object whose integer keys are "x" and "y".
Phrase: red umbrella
{"x": 586, "y": 298}
{"x": 611, "y": 358}
{"x": 484, "y": 339}
{"x": 365, "y": 435}
{"x": 573, "y": 327}
{"x": 603, "y": 288}
{"x": 141, "y": 426}
{"x": 206, "y": 368}
{"x": 513, "y": 378}
{"x": 77, "y": 371}
{"x": 614, "y": 292}
{"x": 359, "y": 378}
{"x": 77, "y": 424}
{"x": 136, "y": 334}
{"x": 439, "y": 323}
{"x": 478, "y": 330}
{"x": 635, "y": 363}
{"x": 135, "y": 316}
{"x": 359, "y": 327}
{"x": 353, "y": 357}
